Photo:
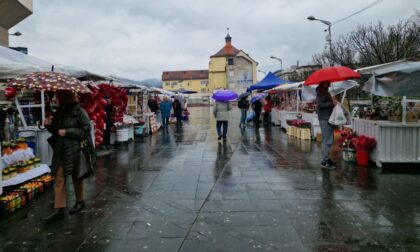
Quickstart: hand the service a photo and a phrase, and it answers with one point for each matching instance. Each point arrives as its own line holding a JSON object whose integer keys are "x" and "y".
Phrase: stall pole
{"x": 22, "y": 118}
{"x": 43, "y": 107}
{"x": 344, "y": 96}
{"x": 404, "y": 109}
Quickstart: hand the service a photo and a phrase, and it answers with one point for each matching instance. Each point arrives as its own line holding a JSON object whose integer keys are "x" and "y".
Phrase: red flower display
{"x": 364, "y": 143}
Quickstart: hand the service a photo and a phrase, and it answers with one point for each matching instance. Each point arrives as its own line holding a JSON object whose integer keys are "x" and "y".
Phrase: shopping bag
{"x": 337, "y": 116}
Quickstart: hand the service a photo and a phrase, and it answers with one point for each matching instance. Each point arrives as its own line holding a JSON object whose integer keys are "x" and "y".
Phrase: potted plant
{"x": 347, "y": 148}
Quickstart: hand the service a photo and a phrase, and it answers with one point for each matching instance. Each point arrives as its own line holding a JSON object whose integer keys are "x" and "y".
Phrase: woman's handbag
{"x": 87, "y": 160}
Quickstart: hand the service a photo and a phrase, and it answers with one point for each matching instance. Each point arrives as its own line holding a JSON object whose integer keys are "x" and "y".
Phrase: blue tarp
{"x": 269, "y": 81}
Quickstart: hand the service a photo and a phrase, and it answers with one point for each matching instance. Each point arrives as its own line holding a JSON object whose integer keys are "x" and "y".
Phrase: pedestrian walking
{"x": 165, "y": 110}
{"x": 257, "y": 106}
{"x": 243, "y": 105}
{"x": 69, "y": 126}
{"x": 221, "y": 113}
{"x": 267, "y": 110}
{"x": 325, "y": 105}
{"x": 108, "y": 122}
{"x": 178, "y": 111}
{"x": 153, "y": 104}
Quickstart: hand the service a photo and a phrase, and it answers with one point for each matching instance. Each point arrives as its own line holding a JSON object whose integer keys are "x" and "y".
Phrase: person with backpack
{"x": 243, "y": 105}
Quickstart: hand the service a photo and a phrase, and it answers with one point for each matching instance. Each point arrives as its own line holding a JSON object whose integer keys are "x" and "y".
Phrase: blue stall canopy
{"x": 269, "y": 81}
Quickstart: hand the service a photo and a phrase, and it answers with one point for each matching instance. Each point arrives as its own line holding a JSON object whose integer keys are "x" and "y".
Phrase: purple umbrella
{"x": 224, "y": 95}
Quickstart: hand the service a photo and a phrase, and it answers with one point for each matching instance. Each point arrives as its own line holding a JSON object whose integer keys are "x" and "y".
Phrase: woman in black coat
{"x": 178, "y": 111}
{"x": 69, "y": 126}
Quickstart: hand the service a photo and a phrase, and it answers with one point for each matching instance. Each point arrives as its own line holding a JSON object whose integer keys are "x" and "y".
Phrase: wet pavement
{"x": 182, "y": 190}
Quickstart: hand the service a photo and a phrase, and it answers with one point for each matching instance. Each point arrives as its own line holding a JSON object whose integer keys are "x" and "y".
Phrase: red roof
{"x": 226, "y": 51}
{"x": 185, "y": 75}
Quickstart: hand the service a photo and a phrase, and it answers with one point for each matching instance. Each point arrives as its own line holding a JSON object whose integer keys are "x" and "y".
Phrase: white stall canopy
{"x": 309, "y": 92}
{"x": 14, "y": 64}
{"x": 399, "y": 78}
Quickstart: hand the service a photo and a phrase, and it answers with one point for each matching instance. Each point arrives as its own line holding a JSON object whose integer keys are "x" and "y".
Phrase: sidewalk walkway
{"x": 181, "y": 190}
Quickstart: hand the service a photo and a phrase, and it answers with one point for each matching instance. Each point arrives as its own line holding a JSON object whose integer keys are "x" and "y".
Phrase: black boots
{"x": 77, "y": 207}
{"x": 58, "y": 214}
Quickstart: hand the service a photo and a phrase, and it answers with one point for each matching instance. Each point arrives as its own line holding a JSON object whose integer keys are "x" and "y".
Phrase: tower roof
{"x": 228, "y": 49}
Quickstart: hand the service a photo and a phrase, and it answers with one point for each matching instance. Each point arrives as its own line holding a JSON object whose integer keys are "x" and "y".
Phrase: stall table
{"x": 286, "y": 115}
{"x": 313, "y": 119}
{"x": 396, "y": 142}
{"x": 23, "y": 177}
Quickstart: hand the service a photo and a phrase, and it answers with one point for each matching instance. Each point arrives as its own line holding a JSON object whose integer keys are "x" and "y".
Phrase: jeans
{"x": 219, "y": 128}
{"x": 257, "y": 118}
{"x": 243, "y": 116}
{"x": 165, "y": 121}
{"x": 327, "y": 131}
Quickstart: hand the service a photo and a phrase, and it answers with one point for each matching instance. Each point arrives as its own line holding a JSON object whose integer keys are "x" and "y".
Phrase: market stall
{"x": 297, "y": 101}
{"x": 137, "y": 107}
{"x": 19, "y": 164}
{"x": 393, "y": 118}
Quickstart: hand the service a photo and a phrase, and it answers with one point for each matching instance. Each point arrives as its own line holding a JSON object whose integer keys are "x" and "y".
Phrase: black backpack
{"x": 243, "y": 104}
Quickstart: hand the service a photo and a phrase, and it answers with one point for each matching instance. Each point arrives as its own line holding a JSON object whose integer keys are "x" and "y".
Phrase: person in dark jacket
{"x": 243, "y": 105}
{"x": 325, "y": 104}
{"x": 153, "y": 104}
{"x": 178, "y": 111}
{"x": 108, "y": 122}
{"x": 69, "y": 126}
{"x": 257, "y": 106}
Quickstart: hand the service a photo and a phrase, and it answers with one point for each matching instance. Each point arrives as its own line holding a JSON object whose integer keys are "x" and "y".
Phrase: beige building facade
{"x": 11, "y": 13}
{"x": 229, "y": 68}
{"x": 232, "y": 68}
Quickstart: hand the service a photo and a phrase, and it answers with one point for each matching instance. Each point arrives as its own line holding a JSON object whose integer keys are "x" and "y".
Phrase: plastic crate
{"x": 13, "y": 201}
{"x": 289, "y": 130}
{"x": 304, "y": 134}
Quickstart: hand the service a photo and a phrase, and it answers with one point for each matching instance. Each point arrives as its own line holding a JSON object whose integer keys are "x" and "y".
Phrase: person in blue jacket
{"x": 165, "y": 110}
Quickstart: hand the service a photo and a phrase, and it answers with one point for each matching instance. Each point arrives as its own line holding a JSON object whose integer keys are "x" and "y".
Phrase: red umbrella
{"x": 49, "y": 81}
{"x": 331, "y": 74}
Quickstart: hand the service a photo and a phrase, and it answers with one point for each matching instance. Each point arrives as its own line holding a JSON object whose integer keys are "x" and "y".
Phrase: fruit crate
{"x": 12, "y": 201}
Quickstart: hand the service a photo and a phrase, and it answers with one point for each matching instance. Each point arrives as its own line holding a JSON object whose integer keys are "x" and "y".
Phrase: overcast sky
{"x": 139, "y": 39}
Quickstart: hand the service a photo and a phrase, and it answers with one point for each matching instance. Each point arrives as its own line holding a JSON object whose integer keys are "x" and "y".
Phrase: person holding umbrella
{"x": 69, "y": 126}
{"x": 221, "y": 111}
{"x": 243, "y": 105}
{"x": 325, "y": 104}
{"x": 165, "y": 109}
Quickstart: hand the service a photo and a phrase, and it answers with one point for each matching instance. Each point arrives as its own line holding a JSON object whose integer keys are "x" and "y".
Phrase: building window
{"x": 230, "y": 62}
{"x": 167, "y": 83}
{"x": 204, "y": 83}
{"x": 173, "y": 84}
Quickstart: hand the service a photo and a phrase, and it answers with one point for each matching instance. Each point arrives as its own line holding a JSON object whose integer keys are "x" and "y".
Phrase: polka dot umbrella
{"x": 49, "y": 81}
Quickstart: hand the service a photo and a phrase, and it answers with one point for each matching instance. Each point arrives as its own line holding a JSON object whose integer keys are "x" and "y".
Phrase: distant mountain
{"x": 152, "y": 83}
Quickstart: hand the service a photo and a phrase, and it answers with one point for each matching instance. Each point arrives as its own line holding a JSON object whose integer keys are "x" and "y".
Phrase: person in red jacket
{"x": 267, "y": 110}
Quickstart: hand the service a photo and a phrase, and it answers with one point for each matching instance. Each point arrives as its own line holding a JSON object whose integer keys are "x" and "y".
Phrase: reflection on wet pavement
{"x": 182, "y": 190}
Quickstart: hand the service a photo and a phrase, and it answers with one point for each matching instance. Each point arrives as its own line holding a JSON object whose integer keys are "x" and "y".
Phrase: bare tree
{"x": 375, "y": 44}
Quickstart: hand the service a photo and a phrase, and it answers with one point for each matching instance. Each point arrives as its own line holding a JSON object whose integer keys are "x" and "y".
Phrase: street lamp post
{"x": 329, "y": 38}
{"x": 276, "y": 58}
